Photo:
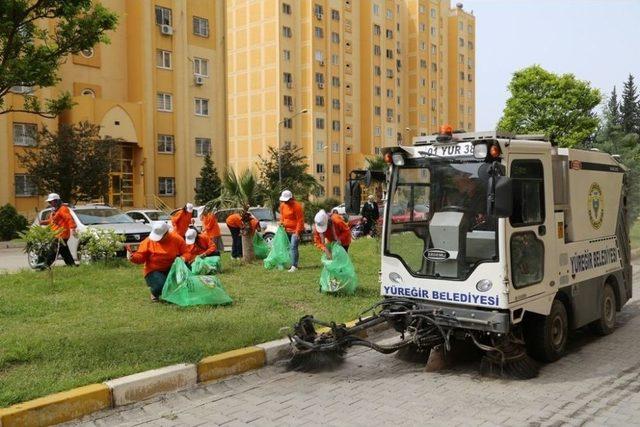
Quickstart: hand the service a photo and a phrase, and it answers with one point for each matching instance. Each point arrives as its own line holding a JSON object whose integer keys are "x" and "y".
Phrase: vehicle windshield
{"x": 158, "y": 216}
{"x": 102, "y": 216}
{"x": 436, "y": 218}
{"x": 263, "y": 214}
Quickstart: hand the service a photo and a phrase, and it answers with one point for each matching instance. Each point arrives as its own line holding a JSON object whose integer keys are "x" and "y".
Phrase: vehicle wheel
{"x": 34, "y": 261}
{"x": 355, "y": 233}
{"x": 607, "y": 322}
{"x": 546, "y": 336}
{"x": 268, "y": 238}
{"x": 83, "y": 256}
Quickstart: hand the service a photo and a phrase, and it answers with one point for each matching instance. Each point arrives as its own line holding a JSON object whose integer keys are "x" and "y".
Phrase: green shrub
{"x": 99, "y": 244}
{"x": 39, "y": 240}
{"x": 311, "y": 208}
{"x": 11, "y": 222}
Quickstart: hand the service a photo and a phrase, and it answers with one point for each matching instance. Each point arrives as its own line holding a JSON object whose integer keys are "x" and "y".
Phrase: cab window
{"x": 527, "y": 177}
{"x": 527, "y": 259}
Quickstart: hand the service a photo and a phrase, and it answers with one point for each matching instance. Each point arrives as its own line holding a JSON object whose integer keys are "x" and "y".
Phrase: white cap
{"x": 158, "y": 230}
{"x": 286, "y": 196}
{"x": 53, "y": 196}
{"x": 322, "y": 221}
{"x": 190, "y": 236}
{"x": 189, "y": 207}
{"x": 370, "y": 198}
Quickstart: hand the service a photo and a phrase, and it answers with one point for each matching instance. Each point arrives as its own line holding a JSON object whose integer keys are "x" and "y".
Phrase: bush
{"x": 39, "y": 241}
{"x": 311, "y": 208}
{"x": 99, "y": 244}
{"x": 11, "y": 222}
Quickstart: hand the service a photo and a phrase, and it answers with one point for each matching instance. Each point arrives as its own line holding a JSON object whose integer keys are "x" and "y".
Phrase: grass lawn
{"x": 95, "y": 323}
{"x": 635, "y": 235}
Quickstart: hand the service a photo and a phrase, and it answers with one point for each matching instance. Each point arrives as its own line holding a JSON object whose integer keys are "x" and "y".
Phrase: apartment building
{"x": 158, "y": 86}
{"x": 340, "y": 78}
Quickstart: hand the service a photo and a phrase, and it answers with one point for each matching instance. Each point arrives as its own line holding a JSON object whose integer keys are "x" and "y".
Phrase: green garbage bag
{"x": 183, "y": 288}
{"x": 260, "y": 247}
{"x": 204, "y": 266}
{"x": 279, "y": 256}
{"x": 338, "y": 274}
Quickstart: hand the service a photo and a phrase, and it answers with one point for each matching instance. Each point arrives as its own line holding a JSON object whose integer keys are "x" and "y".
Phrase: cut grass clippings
{"x": 97, "y": 322}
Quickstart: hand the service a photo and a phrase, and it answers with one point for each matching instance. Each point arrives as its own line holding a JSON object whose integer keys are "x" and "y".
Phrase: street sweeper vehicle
{"x": 502, "y": 241}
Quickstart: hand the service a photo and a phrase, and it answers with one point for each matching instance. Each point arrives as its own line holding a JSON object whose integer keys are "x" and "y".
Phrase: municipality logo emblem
{"x": 595, "y": 206}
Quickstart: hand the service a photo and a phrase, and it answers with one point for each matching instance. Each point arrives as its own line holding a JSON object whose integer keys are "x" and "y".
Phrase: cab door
{"x": 530, "y": 229}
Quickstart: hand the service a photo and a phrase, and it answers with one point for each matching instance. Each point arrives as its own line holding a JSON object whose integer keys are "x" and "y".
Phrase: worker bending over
{"x": 239, "y": 223}
{"x": 292, "y": 219}
{"x": 157, "y": 252}
{"x": 198, "y": 244}
{"x": 330, "y": 228}
{"x": 63, "y": 223}
{"x": 182, "y": 219}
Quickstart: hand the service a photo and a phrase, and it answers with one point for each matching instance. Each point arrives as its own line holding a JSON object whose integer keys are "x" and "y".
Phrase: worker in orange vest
{"x": 157, "y": 252}
{"x": 182, "y": 219}
{"x": 292, "y": 219}
{"x": 198, "y": 244}
{"x": 238, "y": 224}
{"x": 211, "y": 228}
{"x": 62, "y": 221}
{"x": 330, "y": 228}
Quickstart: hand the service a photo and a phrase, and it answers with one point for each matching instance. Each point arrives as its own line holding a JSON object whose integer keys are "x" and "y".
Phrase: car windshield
{"x": 263, "y": 214}
{"x": 437, "y": 221}
{"x": 158, "y": 216}
{"x": 102, "y": 216}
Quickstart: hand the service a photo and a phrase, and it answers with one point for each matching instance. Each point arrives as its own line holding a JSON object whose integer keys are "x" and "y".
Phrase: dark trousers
{"x": 155, "y": 281}
{"x": 367, "y": 226}
{"x": 346, "y": 248}
{"x": 62, "y": 248}
{"x": 236, "y": 245}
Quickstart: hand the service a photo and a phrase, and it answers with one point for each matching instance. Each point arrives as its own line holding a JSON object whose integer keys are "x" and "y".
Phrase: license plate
{"x": 448, "y": 150}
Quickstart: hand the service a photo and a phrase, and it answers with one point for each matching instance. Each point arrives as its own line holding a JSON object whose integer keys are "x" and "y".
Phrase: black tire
{"x": 268, "y": 238}
{"x": 607, "y": 322}
{"x": 546, "y": 336}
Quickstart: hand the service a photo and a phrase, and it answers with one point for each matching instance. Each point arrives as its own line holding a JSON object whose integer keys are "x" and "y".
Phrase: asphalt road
{"x": 596, "y": 383}
{"x": 14, "y": 259}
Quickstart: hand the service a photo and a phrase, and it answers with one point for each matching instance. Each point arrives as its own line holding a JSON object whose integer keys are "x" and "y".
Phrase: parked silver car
{"x": 97, "y": 217}
{"x": 149, "y": 216}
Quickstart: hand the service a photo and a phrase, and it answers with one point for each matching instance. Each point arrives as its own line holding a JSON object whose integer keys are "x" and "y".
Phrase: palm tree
{"x": 240, "y": 191}
{"x": 377, "y": 164}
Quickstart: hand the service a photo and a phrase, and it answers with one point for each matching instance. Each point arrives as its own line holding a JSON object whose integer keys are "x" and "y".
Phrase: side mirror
{"x": 502, "y": 205}
{"x": 352, "y": 197}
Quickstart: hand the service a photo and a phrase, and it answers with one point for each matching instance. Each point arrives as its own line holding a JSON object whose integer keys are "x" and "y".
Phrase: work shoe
{"x": 293, "y": 269}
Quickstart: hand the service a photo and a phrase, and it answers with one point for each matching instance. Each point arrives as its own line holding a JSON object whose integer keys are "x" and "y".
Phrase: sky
{"x": 596, "y": 40}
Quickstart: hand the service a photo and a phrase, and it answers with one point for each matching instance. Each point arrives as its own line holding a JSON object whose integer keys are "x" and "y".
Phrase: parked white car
{"x": 97, "y": 217}
{"x": 150, "y": 216}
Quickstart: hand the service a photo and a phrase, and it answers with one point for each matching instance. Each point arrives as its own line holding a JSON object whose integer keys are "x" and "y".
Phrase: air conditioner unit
{"x": 320, "y": 85}
{"x": 321, "y": 177}
{"x": 289, "y": 85}
{"x": 167, "y": 30}
{"x": 318, "y": 16}
{"x": 21, "y": 89}
{"x": 198, "y": 80}
{"x": 321, "y": 63}
{"x": 389, "y": 119}
{"x": 348, "y": 149}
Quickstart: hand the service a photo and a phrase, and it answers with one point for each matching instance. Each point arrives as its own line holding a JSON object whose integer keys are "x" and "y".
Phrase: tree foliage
{"x": 630, "y": 108}
{"x": 210, "y": 183}
{"x": 559, "y": 106}
{"x": 31, "y": 50}
{"x": 294, "y": 175}
{"x": 74, "y": 162}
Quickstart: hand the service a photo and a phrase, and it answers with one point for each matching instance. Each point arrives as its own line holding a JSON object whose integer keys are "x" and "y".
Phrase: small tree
{"x": 74, "y": 162}
{"x": 294, "y": 175}
{"x": 32, "y": 48}
{"x": 559, "y": 106}
{"x": 210, "y": 183}
{"x": 629, "y": 108}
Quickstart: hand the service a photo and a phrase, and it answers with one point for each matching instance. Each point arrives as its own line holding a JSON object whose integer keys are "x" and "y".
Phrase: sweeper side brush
{"x": 420, "y": 330}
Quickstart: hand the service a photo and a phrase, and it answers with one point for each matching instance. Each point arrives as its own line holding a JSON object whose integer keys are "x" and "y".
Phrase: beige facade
{"x": 181, "y": 77}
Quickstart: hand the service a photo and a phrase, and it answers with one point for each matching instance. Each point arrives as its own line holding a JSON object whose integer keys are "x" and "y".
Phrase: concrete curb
{"x": 144, "y": 385}
{"x": 230, "y": 363}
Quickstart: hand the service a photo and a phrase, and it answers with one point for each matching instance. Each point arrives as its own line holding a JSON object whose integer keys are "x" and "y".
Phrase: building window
{"x": 288, "y": 101}
{"x": 164, "y": 102}
{"x": 460, "y": 41}
{"x": 389, "y": 53}
{"x": 24, "y": 134}
{"x": 376, "y": 131}
{"x": 335, "y": 168}
{"x": 166, "y": 186}
{"x": 318, "y": 11}
{"x": 335, "y": 147}
{"x": 376, "y": 70}
{"x": 423, "y": 28}
{"x": 335, "y": 15}
{"x": 288, "y": 123}
{"x": 335, "y": 37}
{"x": 470, "y": 45}
{"x": 335, "y": 59}
{"x": 469, "y": 78}
{"x": 389, "y": 113}
{"x": 377, "y": 151}
{"x": 389, "y": 93}
{"x": 201, "y": 67}
{"x": 389, "y": 73}
{"x": 335, "y": 81}
{"x": 376, "y": 9}
{"x": 286, "y": 32}
{"x": 320, "y": 145}
{"x": 389, "y": 14}
{"x": 319, "y": 56}
{"x": 376, "y": 30}
{"x": 376, "y": 110}
{"x": 376, "y": 50}
{"x": 286, "y": 55}
{"x": 422, "y": 8}
{"x": 423, "y": 63}
{"x": 434, "y": 66}
{"x": 319, "y": 101}
{"x": 319, "y": 123}
{"x": 25, "y": 187}
{"x": 335, "y": 125}
{"x": 319, "y": 78}
{"x": 203, "y": 146}
{"x": 433, "y": 13}
{"x": 461, "y": 75}
{"x": 163, "y": 16}
{"x": 88, "y": 92}
{"x": 163, "y": 59}
{"x": 166, "y": 144}
{"x": 87, "y": 53}
{"x": 335, "y": 103}
{"x": 389, "y": 34}
{"x": 336, "y": 191}
{"x": 202, "y": 107}
{"x": 389, "y": 132}
{"x": 200, "y": 26}
{"x": 319, "y": 167}
{"x": 434, "y": 85}
{"x": 286, "y": 8}
{"x": 433, "y": 31}
{"x": 377, "y": 91}
{"x": 287, "y": 78}
{"x": 319, "y": 32}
